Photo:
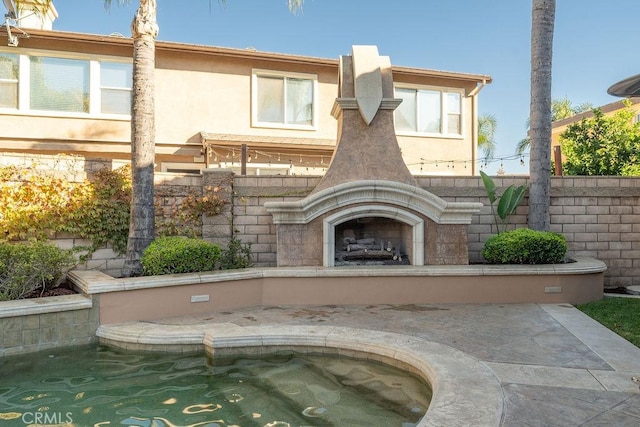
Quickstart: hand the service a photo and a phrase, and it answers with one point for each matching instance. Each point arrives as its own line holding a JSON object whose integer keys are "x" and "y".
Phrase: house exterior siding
{"x": 204, "y": 95}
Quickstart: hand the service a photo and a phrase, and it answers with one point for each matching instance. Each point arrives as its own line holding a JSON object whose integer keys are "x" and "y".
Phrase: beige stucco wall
{"x": 204, "y": 93}
{"x": 208, "y": 89}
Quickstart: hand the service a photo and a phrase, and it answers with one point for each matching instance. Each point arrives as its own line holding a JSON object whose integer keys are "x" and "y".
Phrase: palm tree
{"x": 144, "y": 30}
{"x": 487, "y": 125}
{"x": 542, "y": 24}
{"x": 560, "y": 109}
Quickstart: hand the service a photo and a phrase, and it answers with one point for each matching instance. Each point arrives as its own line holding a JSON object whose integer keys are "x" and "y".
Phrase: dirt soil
{"x": 64, "y": 289}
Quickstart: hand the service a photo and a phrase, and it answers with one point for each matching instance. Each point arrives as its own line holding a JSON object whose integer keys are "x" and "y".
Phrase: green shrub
{"x": 172, "y": 254}
{"x": 525, "y": 246}
{"x": 237, "y": 255}
{"x": 32, "y": 266}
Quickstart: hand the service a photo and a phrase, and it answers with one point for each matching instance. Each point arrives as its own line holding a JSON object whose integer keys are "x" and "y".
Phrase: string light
{"x": 317, "y": 160}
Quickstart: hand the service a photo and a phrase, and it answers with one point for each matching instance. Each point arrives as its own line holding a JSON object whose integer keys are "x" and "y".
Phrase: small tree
{"x": 602, "y": 145}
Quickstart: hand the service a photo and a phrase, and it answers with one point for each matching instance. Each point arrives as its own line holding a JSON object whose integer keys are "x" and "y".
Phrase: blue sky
{"x": 595, "y": 43}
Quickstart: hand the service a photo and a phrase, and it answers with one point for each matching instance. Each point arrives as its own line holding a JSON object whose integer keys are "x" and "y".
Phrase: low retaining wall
{"x": 38, "y": 324}
{"x": 152, "y": 298}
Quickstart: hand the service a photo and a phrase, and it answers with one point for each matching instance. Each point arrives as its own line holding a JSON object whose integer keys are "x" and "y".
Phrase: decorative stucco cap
{"x": 391, "y": 193}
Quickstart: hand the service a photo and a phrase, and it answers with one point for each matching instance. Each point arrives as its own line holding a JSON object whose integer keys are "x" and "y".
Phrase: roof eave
{"x": 167, "y": 46}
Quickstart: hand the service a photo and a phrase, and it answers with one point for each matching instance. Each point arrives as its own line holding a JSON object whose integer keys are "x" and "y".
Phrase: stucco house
{"x": 63, "y": 92}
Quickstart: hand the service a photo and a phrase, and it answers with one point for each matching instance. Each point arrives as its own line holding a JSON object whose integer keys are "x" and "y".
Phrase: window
{"x": 429, "y": 111}
{"x": 65, "y": 85}
{"x": 8, "y": 80}
{"x": 115, "y": 87}
{"x": 283, "y": 101}
{"x": 58, "y": 84}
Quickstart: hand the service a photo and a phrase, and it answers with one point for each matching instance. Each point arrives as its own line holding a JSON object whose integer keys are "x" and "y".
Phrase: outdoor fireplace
{"x": 372, "y": 241}
{"x": 368, "y": 202}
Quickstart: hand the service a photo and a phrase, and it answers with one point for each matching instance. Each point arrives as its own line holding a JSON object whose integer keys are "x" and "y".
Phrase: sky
{"x": 595, "y": 42}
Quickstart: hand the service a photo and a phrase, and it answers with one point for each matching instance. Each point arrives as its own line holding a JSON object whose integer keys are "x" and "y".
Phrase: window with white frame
{"x": 283, "y": 100}
{"x": 65, "y": 85}
{"x": 8, "y": 80}
{"x": 115, "y": 87}
{"x": 58, "y": 84}
{"x": 429, "y": 111}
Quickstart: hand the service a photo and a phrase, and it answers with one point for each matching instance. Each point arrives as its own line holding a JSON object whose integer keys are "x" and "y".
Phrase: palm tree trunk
{"x": 144, "y": 30}
{"x": 543, "y": 17}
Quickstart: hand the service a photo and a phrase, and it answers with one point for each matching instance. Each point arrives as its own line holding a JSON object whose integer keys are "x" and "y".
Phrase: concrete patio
{"x": 505, "y": 364}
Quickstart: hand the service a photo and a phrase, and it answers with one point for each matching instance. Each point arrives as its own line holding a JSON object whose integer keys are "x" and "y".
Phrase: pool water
{"x": 103, "y": 386}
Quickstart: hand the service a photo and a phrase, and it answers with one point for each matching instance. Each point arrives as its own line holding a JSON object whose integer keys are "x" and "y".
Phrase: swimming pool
{"x": 104, "y": 386}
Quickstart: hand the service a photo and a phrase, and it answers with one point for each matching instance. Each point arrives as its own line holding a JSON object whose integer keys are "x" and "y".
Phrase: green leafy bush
{"x": 525, "y": 246}
{"x": 32, "y": 266}
{"x": 237, "y": 255}
{"x": 172, "y": 254}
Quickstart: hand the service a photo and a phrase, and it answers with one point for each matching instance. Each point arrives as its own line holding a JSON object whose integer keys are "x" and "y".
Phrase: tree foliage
{"x": 602, "y": 145}
{"x": 487, "y": 125}
{"x": 560, "y": 109}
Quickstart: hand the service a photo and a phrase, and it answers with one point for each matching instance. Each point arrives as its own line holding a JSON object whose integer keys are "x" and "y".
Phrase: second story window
{"x": 64, "y": 85}
{"x": 8, "y": 80}
{"x": 115, "y": 87}
{"x": 59, "y": 84}
{"x": 429, "y": 111}
{"x": 285, "y": 101}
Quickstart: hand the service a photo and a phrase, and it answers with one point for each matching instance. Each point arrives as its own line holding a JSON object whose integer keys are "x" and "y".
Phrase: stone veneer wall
{"x": 40, "y": 331}
{"x": 252, "y": 223}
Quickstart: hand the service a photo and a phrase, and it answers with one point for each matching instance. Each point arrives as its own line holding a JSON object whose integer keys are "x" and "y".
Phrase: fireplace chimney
{"x": 367, "y": 147}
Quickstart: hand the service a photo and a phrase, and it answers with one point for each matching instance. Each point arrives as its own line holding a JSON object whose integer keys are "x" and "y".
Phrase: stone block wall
{"x": 599, "y": 216}
{"x": 252, "y": 223}
{"x": 41, "y": 331}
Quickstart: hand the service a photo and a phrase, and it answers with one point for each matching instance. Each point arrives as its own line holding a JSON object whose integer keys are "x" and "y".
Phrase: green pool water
{"x": 103, "y": 386}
